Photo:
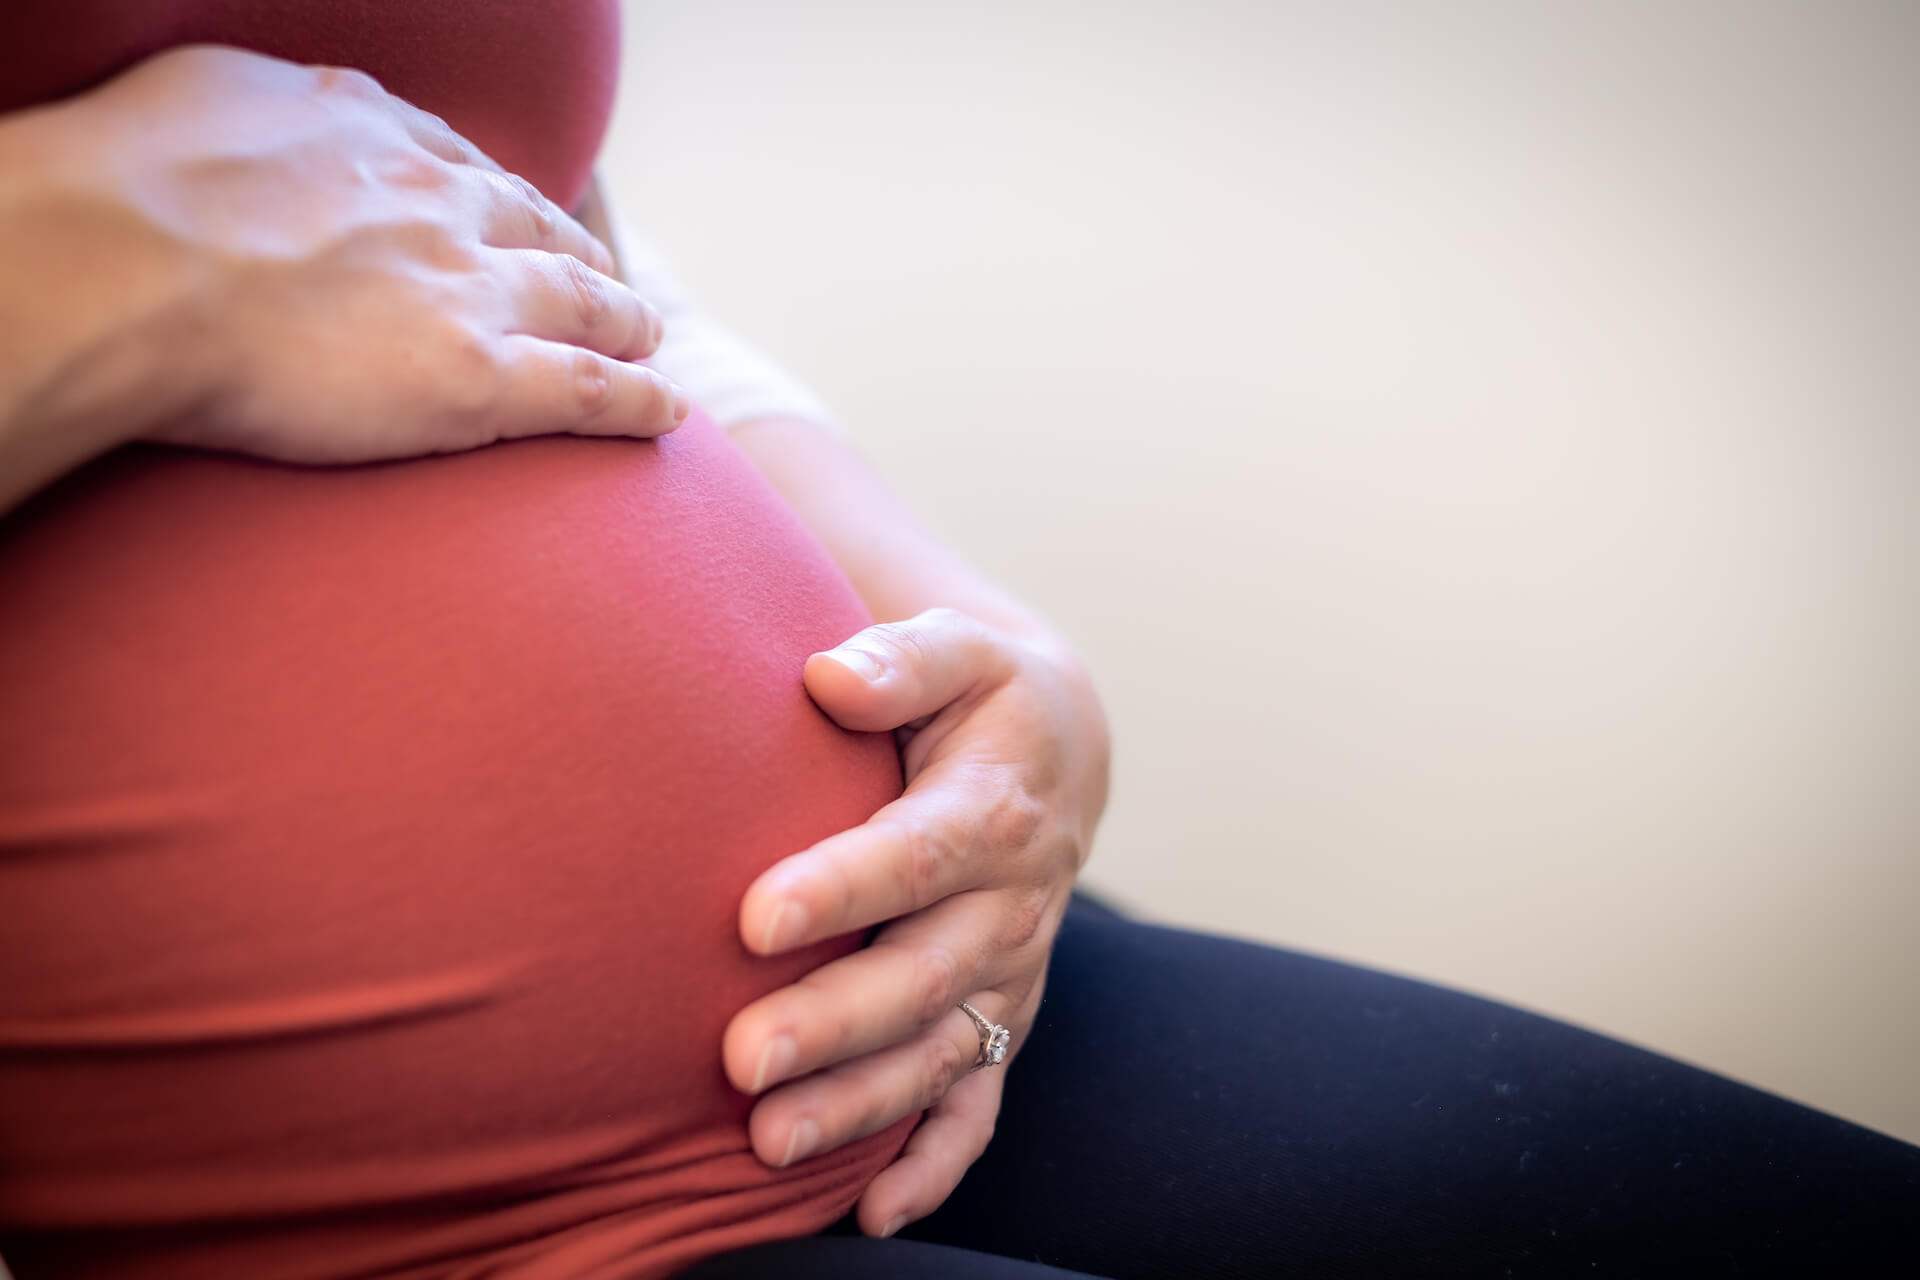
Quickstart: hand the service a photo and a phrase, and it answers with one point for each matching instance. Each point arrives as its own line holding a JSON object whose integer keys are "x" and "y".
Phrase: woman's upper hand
{"x": 969, "y": 871}
{"x": 336, "y": 274}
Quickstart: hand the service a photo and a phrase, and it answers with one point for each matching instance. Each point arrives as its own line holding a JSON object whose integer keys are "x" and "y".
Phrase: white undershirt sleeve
{"x": 729, "y": 377}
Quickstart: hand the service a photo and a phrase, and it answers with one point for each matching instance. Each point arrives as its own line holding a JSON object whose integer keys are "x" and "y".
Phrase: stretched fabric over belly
{"x": 371, "y": 842}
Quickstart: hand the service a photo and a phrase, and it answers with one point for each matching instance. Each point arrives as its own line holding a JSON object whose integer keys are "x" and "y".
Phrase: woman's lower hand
{"x": 1006, "y": 751}
{"x": 344, "y": 276}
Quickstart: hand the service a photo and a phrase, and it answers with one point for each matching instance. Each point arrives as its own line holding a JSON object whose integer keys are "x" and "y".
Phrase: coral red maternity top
{"x": 371, "y": 838}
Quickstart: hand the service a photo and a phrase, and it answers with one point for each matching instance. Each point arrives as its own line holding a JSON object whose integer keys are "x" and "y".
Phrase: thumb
{"x": 896, "y": 673}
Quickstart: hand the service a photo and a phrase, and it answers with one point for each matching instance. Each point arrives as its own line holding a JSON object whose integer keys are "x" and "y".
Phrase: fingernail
{"x": 775, "y": 1061}
{"x": 893, "y": 1226}
{"x": 801, "y": 1142}
{"x": 682, "y": 406}
{"x": 866, "y": 665}
{"x": 788, "y": 926}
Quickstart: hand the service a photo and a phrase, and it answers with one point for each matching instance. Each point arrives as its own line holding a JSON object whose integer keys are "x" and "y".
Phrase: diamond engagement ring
{"x": 994, "y": 1038}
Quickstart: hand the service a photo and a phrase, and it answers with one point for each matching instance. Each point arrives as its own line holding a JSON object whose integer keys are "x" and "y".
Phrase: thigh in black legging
{"x": 850, "y": 1257}
{"x": 1196, "y": 1107}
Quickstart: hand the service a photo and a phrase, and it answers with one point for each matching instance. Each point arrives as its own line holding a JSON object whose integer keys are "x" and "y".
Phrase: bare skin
{"x": 1006, "y": 754}
{"x": 227, "y": 251}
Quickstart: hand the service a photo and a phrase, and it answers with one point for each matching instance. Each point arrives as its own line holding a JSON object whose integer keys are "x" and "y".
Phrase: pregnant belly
{"x": 370, "y": 847}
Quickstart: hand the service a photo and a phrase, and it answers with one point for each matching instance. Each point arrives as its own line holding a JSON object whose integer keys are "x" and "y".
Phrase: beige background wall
{"x": 1478, "y": 446}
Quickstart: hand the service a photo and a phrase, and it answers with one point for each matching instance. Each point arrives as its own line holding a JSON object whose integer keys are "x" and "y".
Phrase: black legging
{"x": 1189, "y": 1106}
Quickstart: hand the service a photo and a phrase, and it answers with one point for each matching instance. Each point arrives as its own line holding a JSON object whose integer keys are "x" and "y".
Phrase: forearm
{"x": 94, "y": 340}
{"x": 894, "y": 561}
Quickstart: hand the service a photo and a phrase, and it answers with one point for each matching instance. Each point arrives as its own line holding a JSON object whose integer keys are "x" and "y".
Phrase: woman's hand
{"x": 1005, "y": 748}
{"x": 337, "y": 274}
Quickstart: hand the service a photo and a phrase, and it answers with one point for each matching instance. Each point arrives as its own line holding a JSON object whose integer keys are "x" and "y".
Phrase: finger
{"x": 429, "y": 132}
{"x": 936, "y": 1157}
{"x": 917, "y": 850}
{"x": 828, "y": 1109}
{"x": 897, "y": 672}
{"x": 551, "y": 388}
{"x": 910, "y": 978}
{"x": 561, "y": 298}
{"x": 517, "y": 216}
{"x": 437, "y": 137}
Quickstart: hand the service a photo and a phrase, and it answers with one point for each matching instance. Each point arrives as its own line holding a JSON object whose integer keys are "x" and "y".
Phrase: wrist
{"x": 101, "y": 335}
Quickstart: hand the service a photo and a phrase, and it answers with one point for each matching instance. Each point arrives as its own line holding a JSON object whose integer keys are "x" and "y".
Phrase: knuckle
{"x": 431, "y": 241}
{"x": 835, "y": 892}
{"x": 585, "y": 246}
{"x": 821, "y": 1020}
{"x": 588, "y": 290}
{"x": 904, "y": 639}
{"x": 540, "y": 221}
{"x": 347, "y": 82}
{"x": 956, "y": 625}
{"x": 592, "y": 383}
{"x": 473, "y": 355}
{"x": 1026, "y": 918}
{"x": 472, "y": 381}
{"x": 936, "y": 970}
{"x": 413, "y": 169}
{"x": 819, "y": 987}
{"x": 452, "y": 142}
{"x": 648, "y": 324}
{"x": 924, "y": 856}
{"x": 1013, "y": 820}
{"x": 1046, "y": 768}
{"x": 443, "y": 133}
{"x": 203, "y": 57}
{"x": 833, "y": 1032}
{"x": 1026, "y": 990}
{"x": 982, "y": 1138}
{"x": 941, "y": 1065}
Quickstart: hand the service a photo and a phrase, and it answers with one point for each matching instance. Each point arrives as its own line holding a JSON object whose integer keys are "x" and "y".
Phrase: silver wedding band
{"x": 994, "y": 1039}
